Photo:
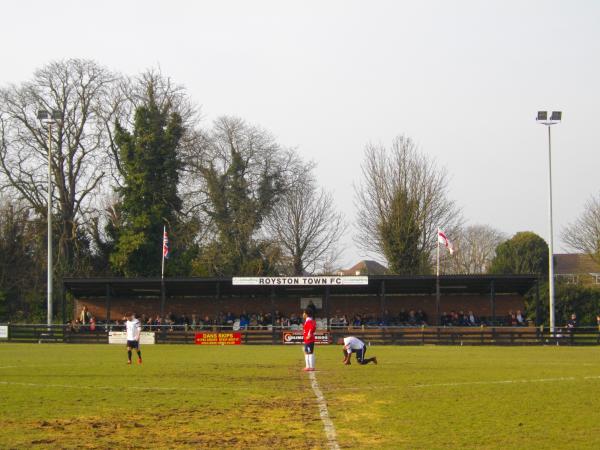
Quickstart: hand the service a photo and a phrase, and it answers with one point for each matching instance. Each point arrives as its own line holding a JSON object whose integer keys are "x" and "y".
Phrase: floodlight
{"x": 542, "y": 115}
{"x": 556, "y": 115}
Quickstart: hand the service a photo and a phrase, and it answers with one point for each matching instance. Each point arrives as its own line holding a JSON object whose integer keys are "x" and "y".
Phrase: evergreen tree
{"x": 400, "y": 236}
{"x": 525, "y": 253}
{"x": 148, "y": 197}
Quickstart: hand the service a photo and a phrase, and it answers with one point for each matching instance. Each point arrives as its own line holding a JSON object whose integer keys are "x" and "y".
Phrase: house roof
{"x": 366, "y": 267}
{"x": 575, "y": 263}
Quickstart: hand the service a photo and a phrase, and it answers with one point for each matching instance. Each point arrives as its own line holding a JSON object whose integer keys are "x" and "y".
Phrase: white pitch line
{"x": 463, "y": 383}
{"x": 120, "y": 388}
{"x": 240, "y": 388}
{"x": 470, "y": 383}
{"x": 324, "y": 413}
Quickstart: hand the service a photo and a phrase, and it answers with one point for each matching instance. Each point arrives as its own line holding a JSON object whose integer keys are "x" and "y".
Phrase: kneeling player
{"x": 134, "y": 330}
{"x": 354, "y": 345}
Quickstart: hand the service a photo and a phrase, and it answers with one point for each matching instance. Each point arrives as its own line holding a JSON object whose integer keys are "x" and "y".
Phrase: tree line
{"x": 130, "y": 155}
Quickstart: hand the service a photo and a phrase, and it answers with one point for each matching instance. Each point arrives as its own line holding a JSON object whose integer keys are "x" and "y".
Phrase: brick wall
{"x": 349, "y": 305}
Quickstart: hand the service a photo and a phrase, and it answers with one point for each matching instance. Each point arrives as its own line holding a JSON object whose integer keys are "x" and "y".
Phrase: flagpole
{"x": 437, "y": 280}
{"x": 162, "y": 276}
{"x": 162, "y": 271}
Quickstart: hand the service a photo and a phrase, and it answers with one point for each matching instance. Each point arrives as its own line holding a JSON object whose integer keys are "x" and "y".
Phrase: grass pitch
{"x": 85, "y": 396}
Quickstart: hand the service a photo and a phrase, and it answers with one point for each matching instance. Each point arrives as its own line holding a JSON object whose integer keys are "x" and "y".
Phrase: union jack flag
{"x": 165, "y": 244}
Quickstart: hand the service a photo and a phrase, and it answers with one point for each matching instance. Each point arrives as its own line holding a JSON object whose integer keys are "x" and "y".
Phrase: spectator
{"x": 253, "y": 321}
{"x": 311, "y": 308}
{"x": 421, "y": 317}
{"x": 244, "y": 320}
{"x": 92, "y": 324}
{"x": 84, "y": 317}
{"x": 344, "y": 322}
{"x": 472, "y": 320}
{"x": 402, "y": 317}
{"x": 521, "y": 321}
{"x": 412, "y": 317}
{"x": 573, "y": 322}
{"x": 386, "y": 319}
{"x": 445, "y": 319}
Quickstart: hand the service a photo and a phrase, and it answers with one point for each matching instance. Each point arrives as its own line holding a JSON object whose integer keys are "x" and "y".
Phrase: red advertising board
{"x": 295, "y": 337}
{"x": 218, "y": 338}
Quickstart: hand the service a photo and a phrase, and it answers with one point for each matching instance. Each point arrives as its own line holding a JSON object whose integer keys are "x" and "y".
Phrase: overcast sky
{"x": 464, "y": 79}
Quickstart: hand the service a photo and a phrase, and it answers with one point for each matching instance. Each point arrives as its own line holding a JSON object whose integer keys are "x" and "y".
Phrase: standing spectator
{"x": 92, "y": 324}
{"x": 312, "y": 309}
{"x": 84, "y": 317}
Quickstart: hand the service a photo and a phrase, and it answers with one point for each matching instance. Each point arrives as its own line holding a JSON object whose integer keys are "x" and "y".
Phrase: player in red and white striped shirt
{"x": 309, "y": 340}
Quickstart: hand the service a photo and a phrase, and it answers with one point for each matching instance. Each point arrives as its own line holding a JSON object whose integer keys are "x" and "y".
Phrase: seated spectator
{"x": 572, "y": 323}
{"x": 244, "y": 320}
{"x": 267, "y": 320}
{"x": 185, "y": 321}
{"x": 253, "y": 321}
{"x": 402, "y": 317}
{"x": 421, "y": 317}
{"x": 207, "y": 322}
{"x": 284, "y": 322}
{"x": 412, "y": 317}
{"x": 170, "y": 319}
{"x": 521, "y": 321}
{"x": 344, "y": 321}
{"x": 386, "y": 319}
{"x": 445, "y": 319}
{"x": 472, "y": 320}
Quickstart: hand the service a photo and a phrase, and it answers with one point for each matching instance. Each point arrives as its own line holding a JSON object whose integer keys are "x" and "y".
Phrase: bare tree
{"x": 77, "y": 89}
{"x": 305, "y": 223}
{"x": 475, "y": 249}
{"x": 401, "y": 200}
{"x": 583, "y": 234}
{"x": 237, "y": 174}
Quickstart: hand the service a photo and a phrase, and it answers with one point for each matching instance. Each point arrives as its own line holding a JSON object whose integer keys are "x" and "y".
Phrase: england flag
{"x": 443, "y": 239}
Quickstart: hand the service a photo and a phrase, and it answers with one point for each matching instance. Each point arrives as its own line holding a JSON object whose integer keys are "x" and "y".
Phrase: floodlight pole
{"x": 49, "y": 118}
{"x": 551, "y": 240}
{"x": 554, "y": 119}
{"x": 50, "y": 265}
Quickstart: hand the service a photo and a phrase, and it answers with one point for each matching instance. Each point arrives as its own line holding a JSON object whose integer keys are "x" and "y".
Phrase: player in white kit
{"x": 134, "y": 330}
{"x": 354, "y": 345}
